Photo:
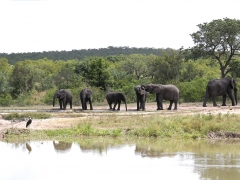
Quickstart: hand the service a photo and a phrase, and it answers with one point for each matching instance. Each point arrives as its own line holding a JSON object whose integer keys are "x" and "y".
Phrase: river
{"x": 103, "y": 158}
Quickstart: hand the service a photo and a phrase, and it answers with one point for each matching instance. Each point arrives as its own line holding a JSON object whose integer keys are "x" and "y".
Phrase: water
{"x": 116, "y": 159}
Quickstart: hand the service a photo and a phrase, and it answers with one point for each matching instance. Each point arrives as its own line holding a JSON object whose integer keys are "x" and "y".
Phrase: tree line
{"x": 81, "y": 54}
{"x": 32, "y": 82}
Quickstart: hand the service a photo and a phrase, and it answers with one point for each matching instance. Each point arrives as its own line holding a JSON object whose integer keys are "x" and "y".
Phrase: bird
{"x": 29, "y": 122}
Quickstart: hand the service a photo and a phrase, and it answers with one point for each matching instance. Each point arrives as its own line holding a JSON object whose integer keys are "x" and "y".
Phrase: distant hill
{"x": 81, "y": 54}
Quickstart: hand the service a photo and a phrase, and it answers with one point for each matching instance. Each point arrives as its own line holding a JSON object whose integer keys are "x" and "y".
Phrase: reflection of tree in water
{"x": 217, "y": 166}
{"x": 62, "y": 146}
{"x": 97, "y": 147}
{"x": 217, "y": 160}
{"x": 28, "y": 148}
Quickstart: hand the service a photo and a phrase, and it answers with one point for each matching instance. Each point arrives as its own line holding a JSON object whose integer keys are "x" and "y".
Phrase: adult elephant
{"x": 64, "y": 96}
{"x": 116, "y": 98}
{"x": 164, "y": 92}
{"x": 86, "y": 96}
{"x": 221, "y": 87}
{"x": 141, "y": 97}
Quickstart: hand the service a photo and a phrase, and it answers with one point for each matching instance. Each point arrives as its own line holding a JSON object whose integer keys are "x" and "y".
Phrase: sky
{"x": 64, "y": 25}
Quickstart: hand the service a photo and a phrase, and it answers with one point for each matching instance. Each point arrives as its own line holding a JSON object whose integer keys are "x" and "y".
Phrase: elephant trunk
{"x": 53, "y": 103}
{"x": 235, "y": 95}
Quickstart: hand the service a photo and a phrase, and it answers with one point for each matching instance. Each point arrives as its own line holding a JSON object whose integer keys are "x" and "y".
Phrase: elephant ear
{"x": 156, "y": 89}
{"x": 62, "y": 94}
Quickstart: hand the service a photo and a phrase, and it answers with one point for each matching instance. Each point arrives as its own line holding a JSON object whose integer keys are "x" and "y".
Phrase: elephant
{"x": 164, "y": 92}
{"x": 221, "y": 87}
{"x": 64, "y": 96}
{"x": 86, "y": 96}
{"x": 141, "y": 97}
{"x": 116, "y": 98}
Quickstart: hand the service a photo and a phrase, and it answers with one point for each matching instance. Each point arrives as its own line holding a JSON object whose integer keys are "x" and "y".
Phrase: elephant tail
{"x": 179, "y": 98}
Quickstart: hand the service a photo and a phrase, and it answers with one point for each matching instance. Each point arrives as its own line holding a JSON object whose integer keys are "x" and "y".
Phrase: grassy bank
{"x": 151, "y": 125}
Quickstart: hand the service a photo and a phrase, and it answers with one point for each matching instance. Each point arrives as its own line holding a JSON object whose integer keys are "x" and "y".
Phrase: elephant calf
{"x": 141, "y": 97}
{"x": 116, "y": 98}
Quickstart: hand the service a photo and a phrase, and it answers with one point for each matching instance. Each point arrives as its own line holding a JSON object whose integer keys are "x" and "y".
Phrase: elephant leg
{"x": 143, "y": 106}
{"x": 158, "y": 104}
{"x": 110, "y": 105}
{"x": 70, "y": 104}
{"x": 175, "y": 105}
{"x": 138, "y": 107}
{"x": 231, "y": 97}
{"x": 119, "y": 104}
{"x": 60, "y": 103}
{"x": 224, "y": 97}
{"x": 170, "y": 105}
{"x": 114, "y": 107}
{"x": 90, "y": 103}
{"x": 214, "y": 101}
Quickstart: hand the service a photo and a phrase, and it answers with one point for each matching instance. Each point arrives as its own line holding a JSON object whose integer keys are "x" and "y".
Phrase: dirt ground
{"x": 62, "y": 119}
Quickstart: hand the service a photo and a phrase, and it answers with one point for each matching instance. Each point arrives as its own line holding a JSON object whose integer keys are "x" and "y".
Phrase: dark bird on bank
{"x": 29, "y": 122}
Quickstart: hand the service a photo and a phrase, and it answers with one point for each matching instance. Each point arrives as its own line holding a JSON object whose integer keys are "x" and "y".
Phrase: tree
{"x": 220, "y": 40}
{"x": 98, "y": 73}
{"x": 5, "y": 72}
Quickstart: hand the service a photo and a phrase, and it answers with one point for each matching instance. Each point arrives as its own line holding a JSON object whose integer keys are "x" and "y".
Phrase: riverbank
{"x": 189, "y": 121}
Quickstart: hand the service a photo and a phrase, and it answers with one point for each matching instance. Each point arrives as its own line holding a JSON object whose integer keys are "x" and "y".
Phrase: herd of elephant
{"x": 216, "y": 87}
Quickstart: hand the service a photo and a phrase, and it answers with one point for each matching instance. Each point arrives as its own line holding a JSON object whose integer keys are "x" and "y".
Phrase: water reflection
{"x": 28, "y": 148}
{"x": 62, "y": 146}
{"x": 116, "y": 159}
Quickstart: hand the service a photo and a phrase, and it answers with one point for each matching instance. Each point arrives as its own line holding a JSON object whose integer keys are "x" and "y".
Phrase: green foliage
{"x": 48, "y": 98}
{"x": 6, "y": 100}
{"x": 98, "y": 73}
{"x": 34, "y": 82}
{"x": 218, "y": 39}
{"x": 193, "y": 91}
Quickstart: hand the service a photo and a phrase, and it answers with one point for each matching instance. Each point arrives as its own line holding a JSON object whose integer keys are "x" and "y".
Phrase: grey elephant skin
{"x": 141, "y": 95}
{"x": 64, "y": 96}
{"x": 86, "y": 96}
{"x": 168, "y": 92}
{"x": 116, "y": 98}
{"x": 221, "y": 87}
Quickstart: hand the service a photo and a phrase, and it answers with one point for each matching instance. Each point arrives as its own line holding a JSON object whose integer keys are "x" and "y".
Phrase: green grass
{"x": 156, "y": 125}
{"x": 35, "y": 115}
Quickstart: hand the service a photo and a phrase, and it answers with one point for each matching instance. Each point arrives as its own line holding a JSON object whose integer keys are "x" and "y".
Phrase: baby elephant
{"x": 116, "y": 98}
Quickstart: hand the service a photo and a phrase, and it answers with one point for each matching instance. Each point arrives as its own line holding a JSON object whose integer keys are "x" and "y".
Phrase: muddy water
{"x": 120, "y": 159}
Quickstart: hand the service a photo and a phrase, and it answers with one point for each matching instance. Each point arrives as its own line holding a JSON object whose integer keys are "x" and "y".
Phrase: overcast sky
{"x": 56, "y": 25}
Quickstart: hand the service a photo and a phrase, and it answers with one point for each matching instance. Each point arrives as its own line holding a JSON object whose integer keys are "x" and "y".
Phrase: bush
{"x": 6, "y": 100}
{"x": 193, "y": 91}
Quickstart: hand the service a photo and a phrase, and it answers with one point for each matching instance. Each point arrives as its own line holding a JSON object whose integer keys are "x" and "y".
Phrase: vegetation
{"x": 219, "y": 40}
{"x": 109, "y": 52}
{"x": 34, "y": 82}
{"x": 175, "y": 126}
